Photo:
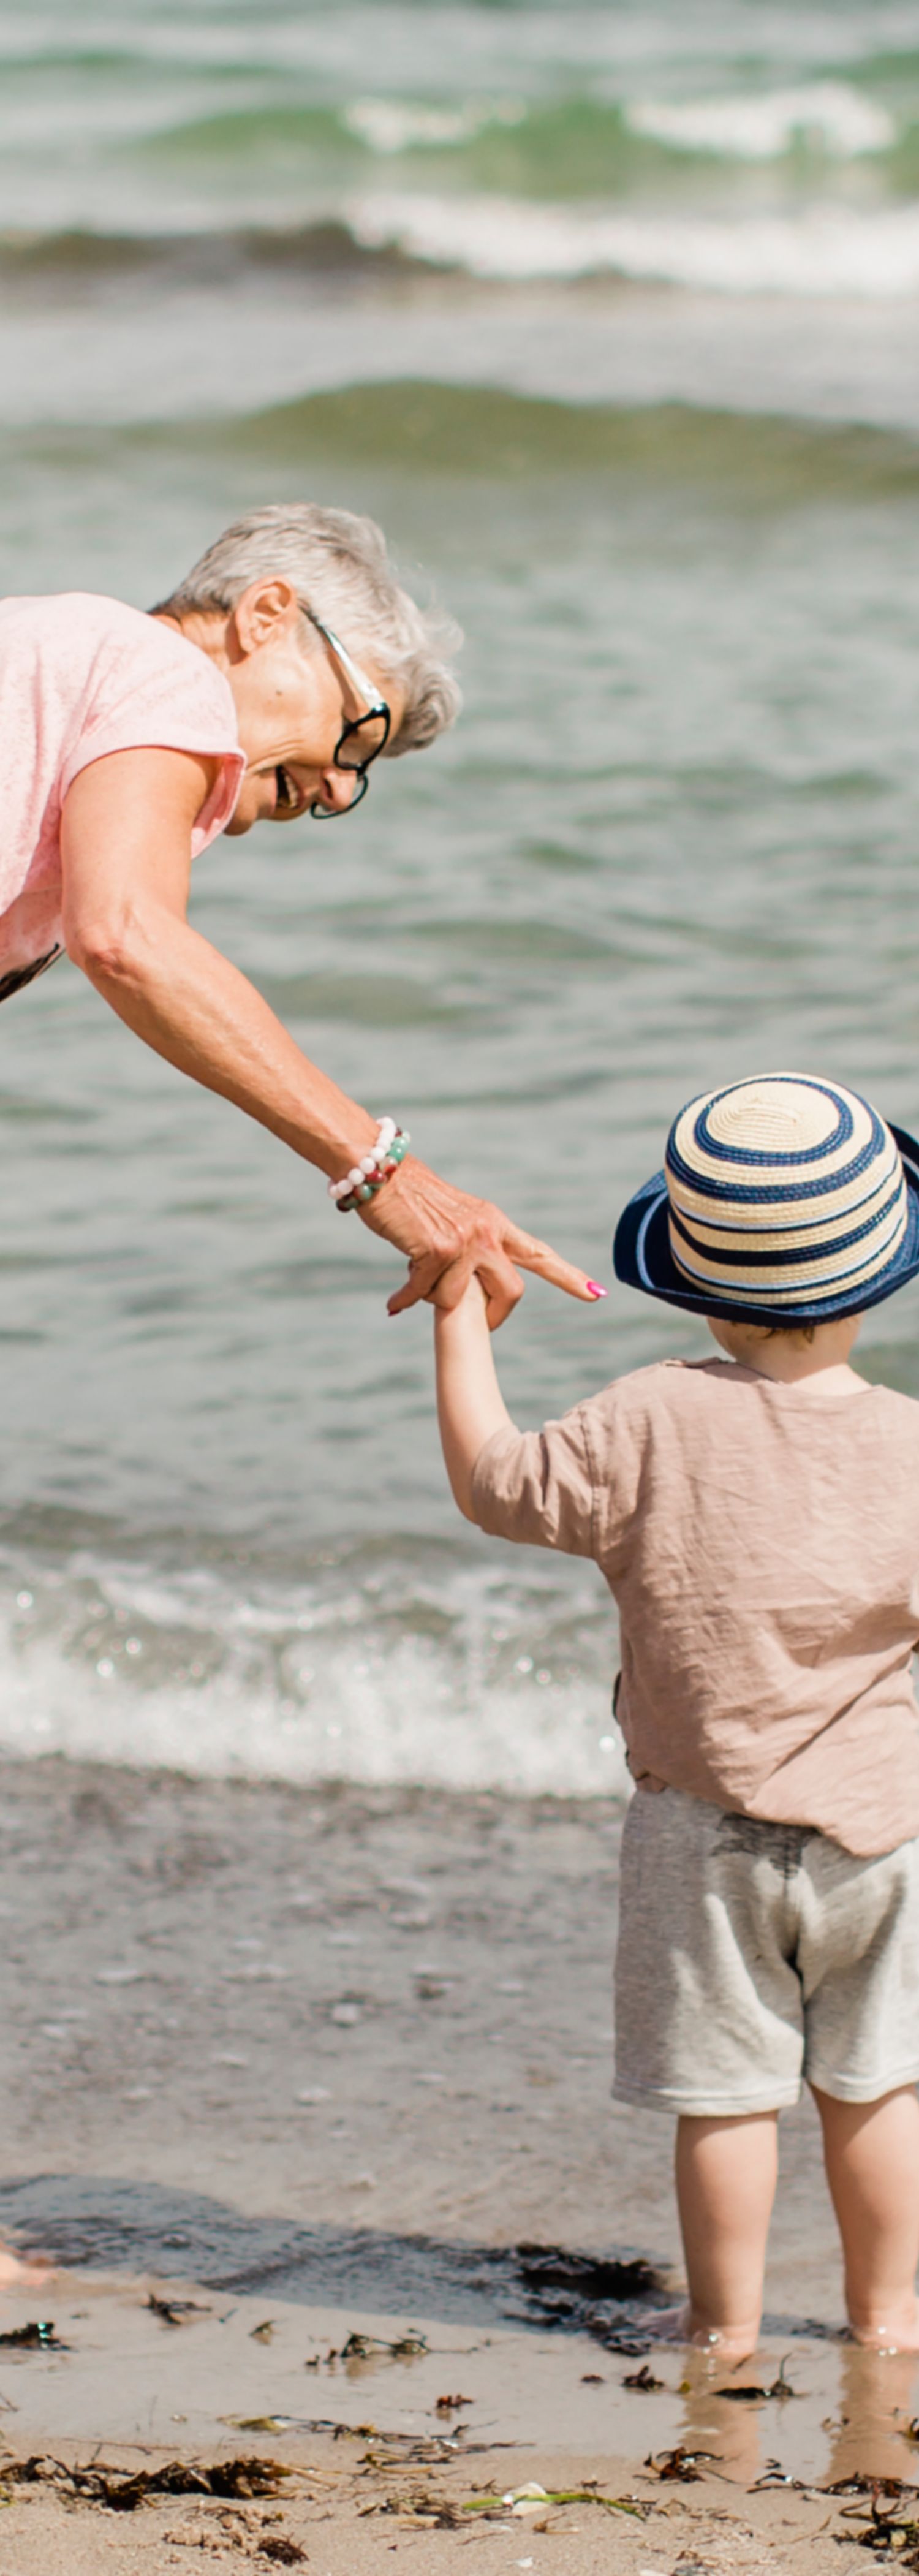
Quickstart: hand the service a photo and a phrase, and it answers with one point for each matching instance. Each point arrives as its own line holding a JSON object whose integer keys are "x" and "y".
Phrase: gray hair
{"x": 339, "y": 567}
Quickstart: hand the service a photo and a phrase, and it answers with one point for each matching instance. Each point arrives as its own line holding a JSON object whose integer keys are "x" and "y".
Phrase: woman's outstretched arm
{"x": 125, "y": 847}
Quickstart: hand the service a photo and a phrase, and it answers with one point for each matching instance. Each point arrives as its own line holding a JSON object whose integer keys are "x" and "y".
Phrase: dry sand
{"x": 354, "y": 2517}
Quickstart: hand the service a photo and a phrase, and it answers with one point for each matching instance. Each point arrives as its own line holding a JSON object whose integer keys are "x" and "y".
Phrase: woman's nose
{"x": 337, "y": 789}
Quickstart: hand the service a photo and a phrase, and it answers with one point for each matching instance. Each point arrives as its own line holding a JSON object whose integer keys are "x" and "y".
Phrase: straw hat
{"x": 785, "y": 1198}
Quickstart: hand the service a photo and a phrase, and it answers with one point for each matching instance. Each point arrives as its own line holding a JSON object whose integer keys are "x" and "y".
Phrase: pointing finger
{"x": 530, "y": 1254}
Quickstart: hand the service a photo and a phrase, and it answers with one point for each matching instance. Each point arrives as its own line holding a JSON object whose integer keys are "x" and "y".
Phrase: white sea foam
{"x": 823, "y": 250}
{"x": 391, "y": 125}
{"x": 828, "y": 116}
{"x": 463, "y": 1681}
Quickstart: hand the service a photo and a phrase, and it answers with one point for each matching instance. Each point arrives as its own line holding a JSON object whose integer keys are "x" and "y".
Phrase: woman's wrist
{"x": 371, "y": 1171}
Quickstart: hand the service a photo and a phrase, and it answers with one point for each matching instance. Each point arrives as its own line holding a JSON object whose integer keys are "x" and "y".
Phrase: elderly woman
{"x": 261, "y": 690}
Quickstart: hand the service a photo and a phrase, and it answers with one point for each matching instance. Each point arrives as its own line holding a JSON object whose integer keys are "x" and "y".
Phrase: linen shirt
{"x": 82, "y": 676}
{"x": 762, "y": 1544}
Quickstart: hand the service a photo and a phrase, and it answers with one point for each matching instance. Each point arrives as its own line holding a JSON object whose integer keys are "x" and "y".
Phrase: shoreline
{"x": 349, "y": 2436}
{"x": 337, "y": 2063}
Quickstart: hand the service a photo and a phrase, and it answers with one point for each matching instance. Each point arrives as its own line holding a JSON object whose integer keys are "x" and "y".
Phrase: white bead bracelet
{"x": 372, "y": 1170}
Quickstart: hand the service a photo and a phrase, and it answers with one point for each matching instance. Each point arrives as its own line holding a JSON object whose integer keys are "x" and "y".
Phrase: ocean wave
{"x": 825, "y": 119}
{"x": 829, "y": 117}
{"x": 824, "y": 250}
{"x": 396, "y": 125}
{"x": 203, "y": 256}
{"x": 484, "y": 430}
{"x": 403, "y": 1668}
{"x": 574, "y": 146}
{"x": 819, "y": 251}
{"x": 276, "y": 148}
{"x": 770, "y": 460}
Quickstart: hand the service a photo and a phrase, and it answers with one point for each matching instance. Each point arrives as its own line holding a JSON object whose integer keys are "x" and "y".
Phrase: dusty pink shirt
{"x": 81, "y": 676}
{"x": 762, "y": 1544}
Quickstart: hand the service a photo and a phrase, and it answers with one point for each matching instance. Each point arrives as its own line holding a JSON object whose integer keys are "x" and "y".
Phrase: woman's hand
{"x": 449, "y": 1237}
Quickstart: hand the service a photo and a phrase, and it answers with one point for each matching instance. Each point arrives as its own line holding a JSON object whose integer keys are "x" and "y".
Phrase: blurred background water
{"x": 609, "y": 314}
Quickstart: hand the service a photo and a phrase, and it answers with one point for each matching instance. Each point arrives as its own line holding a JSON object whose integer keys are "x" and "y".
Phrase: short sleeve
{"x": 157, "y": 691}
{"x": 537, "y": 1486}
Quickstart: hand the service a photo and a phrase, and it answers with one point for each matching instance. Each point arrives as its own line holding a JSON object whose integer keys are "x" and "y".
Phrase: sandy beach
{"x": 296, "y": 2078}
{"x": 166, "y": 2420}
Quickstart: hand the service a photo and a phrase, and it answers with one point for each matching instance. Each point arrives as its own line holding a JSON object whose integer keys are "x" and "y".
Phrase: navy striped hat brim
{"x": 642, "y": 1258}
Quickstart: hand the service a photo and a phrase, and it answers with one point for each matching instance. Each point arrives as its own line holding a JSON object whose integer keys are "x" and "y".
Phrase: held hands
{"x": 448, "y": 1237}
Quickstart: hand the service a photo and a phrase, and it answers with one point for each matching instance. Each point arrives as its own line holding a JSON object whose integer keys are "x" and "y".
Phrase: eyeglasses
{"x": 360, "y": 741}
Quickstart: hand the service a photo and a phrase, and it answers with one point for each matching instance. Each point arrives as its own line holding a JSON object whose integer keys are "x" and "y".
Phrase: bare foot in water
{"x": 680, "y": 2325}
{"x": 899, "y": 2331}
{"x": 23, "y": 2271}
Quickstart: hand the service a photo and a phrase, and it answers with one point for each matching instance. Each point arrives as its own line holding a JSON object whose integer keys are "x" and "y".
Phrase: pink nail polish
{"x": 596, "y": 1290}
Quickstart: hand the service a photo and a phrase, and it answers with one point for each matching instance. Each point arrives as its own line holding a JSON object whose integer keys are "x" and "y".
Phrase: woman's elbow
{"x": 106, "y": 947}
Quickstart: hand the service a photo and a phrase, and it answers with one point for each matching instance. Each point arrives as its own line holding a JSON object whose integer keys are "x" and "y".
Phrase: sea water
{"x": 609, "y": 314}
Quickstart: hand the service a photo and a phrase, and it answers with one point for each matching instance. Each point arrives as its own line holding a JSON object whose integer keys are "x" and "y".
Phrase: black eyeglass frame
{"x": 374, "y": 712}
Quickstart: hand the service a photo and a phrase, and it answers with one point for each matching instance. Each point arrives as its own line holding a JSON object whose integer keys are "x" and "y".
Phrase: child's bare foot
{"x": 23, "y": 2271}
{"x": 897, "y": 2331}
{"x": 725, "y": 2343}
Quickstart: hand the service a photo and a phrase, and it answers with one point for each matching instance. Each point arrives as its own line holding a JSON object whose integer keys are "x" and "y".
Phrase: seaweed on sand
{"x": 525, "y": 2499}
{"x": 780, "y": 2389}
{"x": 368, "y": 2347}
{"x": 174, "y": 2312}
{"x": 892, "y": 2528}
{"x": 124, "y": 2492}
{"x": 679, "y": 2464}
{"x": 37, "y": 2336}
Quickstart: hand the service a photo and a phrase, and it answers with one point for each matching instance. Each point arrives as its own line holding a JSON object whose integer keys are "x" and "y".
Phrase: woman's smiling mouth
{"x": 288, "y": 801}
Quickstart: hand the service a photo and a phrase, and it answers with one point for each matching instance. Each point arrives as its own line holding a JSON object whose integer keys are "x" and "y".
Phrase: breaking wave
{"x": 829, "y": 117}
{"x": 395, "y": 1666}
{"x": 822, "y": 250}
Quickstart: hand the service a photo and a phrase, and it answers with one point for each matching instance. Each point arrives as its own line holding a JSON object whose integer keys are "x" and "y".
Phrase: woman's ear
{"x": 263, "y": 612}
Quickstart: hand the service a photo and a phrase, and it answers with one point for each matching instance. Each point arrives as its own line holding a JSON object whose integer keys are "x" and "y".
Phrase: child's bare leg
{"x": 871, "y": 2151}
{"x": 726, "y": 2173}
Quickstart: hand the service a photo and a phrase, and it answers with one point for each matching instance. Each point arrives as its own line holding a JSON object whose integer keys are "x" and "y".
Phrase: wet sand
{"x": 338, "y": 2064}
{"x": 372, "y": 2435}
{"x": 266, "y": 2035}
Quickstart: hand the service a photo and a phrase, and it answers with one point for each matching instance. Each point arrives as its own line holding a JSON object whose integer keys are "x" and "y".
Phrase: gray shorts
{"x": 751, "y": 1955}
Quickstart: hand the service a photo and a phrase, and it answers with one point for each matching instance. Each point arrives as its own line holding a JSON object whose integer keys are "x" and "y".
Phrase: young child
{"x": 757, "y": 1521}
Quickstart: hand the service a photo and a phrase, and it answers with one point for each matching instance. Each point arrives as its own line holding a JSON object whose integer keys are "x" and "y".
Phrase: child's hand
{"x": 473, "y": 1297}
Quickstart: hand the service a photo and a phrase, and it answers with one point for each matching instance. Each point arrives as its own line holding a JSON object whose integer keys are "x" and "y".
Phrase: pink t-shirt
{"x": 81, "y": 676}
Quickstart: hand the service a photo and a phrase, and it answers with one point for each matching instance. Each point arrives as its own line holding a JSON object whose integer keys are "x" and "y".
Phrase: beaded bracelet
{"x": 373, "y": 1170}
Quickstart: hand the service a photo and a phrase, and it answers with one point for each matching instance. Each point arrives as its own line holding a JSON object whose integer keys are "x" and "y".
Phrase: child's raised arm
{"x": 470, "y": 1405}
